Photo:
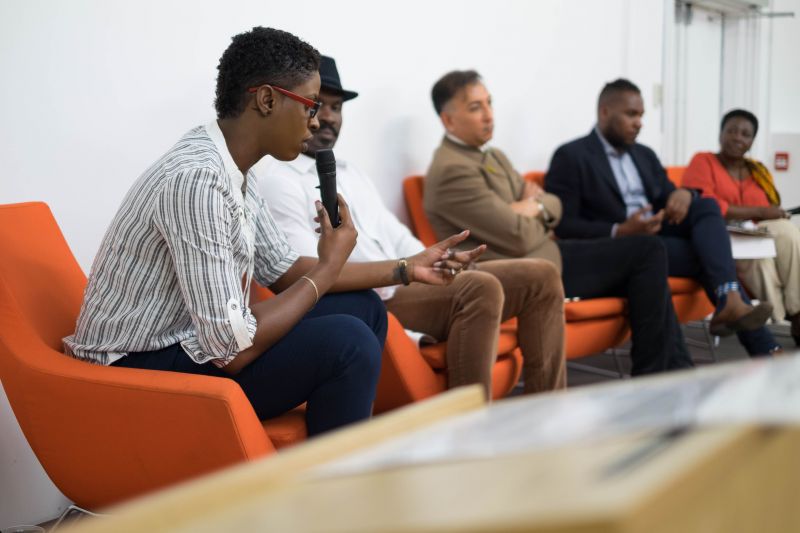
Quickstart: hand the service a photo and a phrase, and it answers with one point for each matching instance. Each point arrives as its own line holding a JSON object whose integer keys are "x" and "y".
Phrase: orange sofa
{"x": 106, "y": 434}
{"x": 592, "y": 326}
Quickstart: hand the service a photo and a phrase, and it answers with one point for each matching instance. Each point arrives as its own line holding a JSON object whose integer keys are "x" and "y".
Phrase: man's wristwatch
{"x": 402, "y": 269}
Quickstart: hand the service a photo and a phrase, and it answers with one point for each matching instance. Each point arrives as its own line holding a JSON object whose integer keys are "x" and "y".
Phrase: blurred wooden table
{"x": 715, "y": 478}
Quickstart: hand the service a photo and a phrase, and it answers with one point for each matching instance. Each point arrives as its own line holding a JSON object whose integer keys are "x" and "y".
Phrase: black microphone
{"x": 326, "y": 170}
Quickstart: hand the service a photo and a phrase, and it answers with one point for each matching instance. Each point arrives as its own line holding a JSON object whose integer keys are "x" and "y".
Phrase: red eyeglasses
{"x": 311, "y": 105}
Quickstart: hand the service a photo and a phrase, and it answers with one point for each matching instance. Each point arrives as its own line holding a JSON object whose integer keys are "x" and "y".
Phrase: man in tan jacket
{"x": 472, "y": 185}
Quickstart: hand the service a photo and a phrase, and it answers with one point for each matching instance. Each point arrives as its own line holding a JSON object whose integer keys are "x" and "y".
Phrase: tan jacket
{"x": 469, "y": 189}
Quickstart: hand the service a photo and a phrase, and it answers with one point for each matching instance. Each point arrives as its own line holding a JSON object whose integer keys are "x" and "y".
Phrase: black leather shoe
{"x": 749, "y": 322}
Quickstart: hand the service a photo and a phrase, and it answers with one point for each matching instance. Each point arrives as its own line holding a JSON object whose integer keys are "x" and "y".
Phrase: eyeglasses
{"x": 311, "y": 105}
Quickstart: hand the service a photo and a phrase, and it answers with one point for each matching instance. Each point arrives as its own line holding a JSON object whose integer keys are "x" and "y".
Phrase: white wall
{"x": 785, "y": 68}
{"x": 784, "y": 101}
{"x": 93, "y": 91}
{"x": 696, "y": 84}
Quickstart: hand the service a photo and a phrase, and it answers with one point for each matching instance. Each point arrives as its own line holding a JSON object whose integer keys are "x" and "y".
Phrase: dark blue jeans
{"x": 330, "y": 359}
{"x": 699, "y": 247}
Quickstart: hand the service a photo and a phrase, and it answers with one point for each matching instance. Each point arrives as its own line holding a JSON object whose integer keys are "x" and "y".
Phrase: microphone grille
{"x": 326, "y": 162}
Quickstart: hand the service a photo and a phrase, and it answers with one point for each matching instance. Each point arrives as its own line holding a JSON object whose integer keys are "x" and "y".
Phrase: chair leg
{"x": 618, "y": 362}
{"x": 592, "y": 370}
{"x": 68, "y": 511}
{"x": 710, "y": 343}
{"x": 712, "y": 340}
{"x": 616, "y": 353}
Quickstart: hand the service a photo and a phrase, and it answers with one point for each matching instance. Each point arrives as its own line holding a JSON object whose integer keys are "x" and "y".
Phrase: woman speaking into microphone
{"x": 169, "y": 287}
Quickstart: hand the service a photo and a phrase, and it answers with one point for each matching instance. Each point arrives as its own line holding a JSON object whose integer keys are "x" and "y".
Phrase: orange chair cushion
{"x": 506, "y": 373}
{"x": 536, "y": 176}
{"x": 594, "y": 308}
{"x": 509, "y": 326}
{"x": 287, "y": 429}
{"x": 675, "y": 175}
{"x": 259, "y": 293}
{"x": 587, "y": 337}
{"x": 436, "y": 354}
{"x": 684, "y": 285}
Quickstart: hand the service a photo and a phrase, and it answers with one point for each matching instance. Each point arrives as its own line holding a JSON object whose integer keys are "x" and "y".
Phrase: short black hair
{"x": 739, "y": 113}
{"x": 615, "y": 87}
{"x": 257, "y": 57}
{"x": 448, "y": 85}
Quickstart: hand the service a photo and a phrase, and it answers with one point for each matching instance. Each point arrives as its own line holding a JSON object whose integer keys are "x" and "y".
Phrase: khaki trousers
{"x": 776, "y": 279}
{"x": 467, "y": 313}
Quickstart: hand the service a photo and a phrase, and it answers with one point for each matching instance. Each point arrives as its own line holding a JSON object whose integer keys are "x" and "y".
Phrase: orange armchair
{"x": 536, "y": 176}
{"x": 675, "y": 174}
{"x": 592, "y": 326}
{"x": 414, "y": 192}
{"x": 410, "y": 374}
{"x": 105, "y": 434}
{"x": 688, "y": 297}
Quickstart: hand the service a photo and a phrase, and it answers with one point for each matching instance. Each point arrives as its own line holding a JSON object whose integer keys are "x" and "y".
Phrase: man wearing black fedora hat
{"x": 468, "y": 312}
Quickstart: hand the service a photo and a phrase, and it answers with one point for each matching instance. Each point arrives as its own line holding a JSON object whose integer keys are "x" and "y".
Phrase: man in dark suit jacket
{"x": 610, "y": 186}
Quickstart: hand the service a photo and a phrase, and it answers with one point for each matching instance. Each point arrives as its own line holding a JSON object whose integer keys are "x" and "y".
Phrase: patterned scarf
{"x": 763, "y": 179}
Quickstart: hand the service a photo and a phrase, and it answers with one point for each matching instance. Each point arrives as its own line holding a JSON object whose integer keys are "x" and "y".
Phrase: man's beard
{"x": 616, "y": 140}
{"x": 328, "y": 126}
{"x": 319, "y": 144}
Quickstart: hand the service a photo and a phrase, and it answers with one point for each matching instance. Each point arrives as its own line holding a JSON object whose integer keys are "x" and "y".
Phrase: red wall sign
{"x": 781, "y": 160}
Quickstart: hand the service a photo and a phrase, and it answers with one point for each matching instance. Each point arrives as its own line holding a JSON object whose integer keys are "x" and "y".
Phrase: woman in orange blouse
{"x": 745, "y": 190}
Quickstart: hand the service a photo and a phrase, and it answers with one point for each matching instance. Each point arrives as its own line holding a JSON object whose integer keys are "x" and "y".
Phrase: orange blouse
{"x": 706, "y": 173}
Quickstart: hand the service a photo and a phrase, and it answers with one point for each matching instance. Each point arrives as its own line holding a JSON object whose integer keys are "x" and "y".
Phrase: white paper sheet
{"x": 751, "y": 247}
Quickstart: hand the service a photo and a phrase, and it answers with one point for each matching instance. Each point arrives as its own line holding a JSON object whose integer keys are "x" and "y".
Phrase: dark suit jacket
{"x": 581, "y": 177}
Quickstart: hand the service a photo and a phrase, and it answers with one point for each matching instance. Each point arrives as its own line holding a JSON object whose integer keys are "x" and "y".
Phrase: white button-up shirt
{"x": 290, "y": 189}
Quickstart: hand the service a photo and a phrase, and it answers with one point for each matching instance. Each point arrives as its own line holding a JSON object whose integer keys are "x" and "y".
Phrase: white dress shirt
{"x": 290, "y": 189}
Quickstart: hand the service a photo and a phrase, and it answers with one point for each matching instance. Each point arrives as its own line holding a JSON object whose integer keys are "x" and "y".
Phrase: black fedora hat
{"x": 329, "y": 76}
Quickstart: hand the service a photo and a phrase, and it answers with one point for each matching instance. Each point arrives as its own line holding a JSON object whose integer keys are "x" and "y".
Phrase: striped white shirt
{"x": 170, "y": 268}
